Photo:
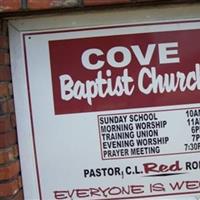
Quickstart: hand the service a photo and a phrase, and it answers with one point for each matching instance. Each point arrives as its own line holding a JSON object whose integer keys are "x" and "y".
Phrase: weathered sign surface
{"x": 114, "y": 111}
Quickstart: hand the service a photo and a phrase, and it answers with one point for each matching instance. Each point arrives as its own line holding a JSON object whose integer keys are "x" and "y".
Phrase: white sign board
{"x": 109, "y": 112}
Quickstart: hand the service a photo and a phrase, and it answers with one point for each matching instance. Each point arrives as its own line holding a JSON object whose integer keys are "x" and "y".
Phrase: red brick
{"x": 4, "y": 27}
{"x": 3, "y": 42}
{"x": 104, "y": 2}
{"x": 5, "y": 123}
{"x": 10, "y": 88}
{"x": 9, "y": 5}
{"x": 10, "y": 188}
{"x": 8, "y": 154}
{"x": 11, "y": 106}
{"x": 5, "y": 74}
{"x": 4, "y": 58}
{"x": 7, "y": 139}
{"x": 9, "y": 171}
{"x": 46, "y": 4}
{"x": 6, "y": 106}
{"x": 19, "y": 196}
{"x": 4, "y": 89}
{"x": 13, "y": 120}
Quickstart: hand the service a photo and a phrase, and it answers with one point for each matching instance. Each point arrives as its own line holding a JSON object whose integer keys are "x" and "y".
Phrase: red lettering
{"x": 60, "y": 194}
{"x": 137, "y": 189}
{"x": 115, "y": 191}
{"x": 163, "y": 168}
{"x": 177, "y": 186}
{"x": 192, "y": 185}
{"x": 153, "y": 167}
{"x": 175, "y": 167}
{"x": 189, "y": 185}
{"x": 82, "y": 193}
{"x": 104, "y": 191}
{"x": 94, "y": 192}
{"x": 150, "y": 167}
{"x": 157, "y": 187}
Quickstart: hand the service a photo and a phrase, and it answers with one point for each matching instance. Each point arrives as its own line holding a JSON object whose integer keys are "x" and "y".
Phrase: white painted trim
{"x": 22, "y": 114}
{"x": 107, "y": 17}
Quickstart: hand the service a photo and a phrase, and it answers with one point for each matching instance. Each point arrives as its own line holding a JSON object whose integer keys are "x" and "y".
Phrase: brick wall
{"x": 29, "y": 5}
{"x": 10, "y": 180}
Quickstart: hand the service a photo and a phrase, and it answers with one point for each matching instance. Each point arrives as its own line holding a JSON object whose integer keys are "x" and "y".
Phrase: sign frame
{"x": 21, "y": 29}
